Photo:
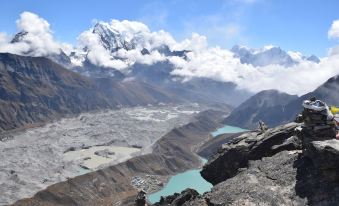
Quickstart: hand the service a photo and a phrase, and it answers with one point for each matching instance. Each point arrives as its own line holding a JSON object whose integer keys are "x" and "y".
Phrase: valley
{"x": 38, "y": 157}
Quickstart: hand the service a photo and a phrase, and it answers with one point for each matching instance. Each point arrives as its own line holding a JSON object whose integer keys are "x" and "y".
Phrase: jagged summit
{"x": 268, "y": 55}
{"x": 56, "y": 55}
{"x": 313, "y": 58}
{"x": 111, "y": 39}
{"x": 19, "y": 37}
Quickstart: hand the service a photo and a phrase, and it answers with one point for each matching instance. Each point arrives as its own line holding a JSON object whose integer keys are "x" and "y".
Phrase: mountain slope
{"x": 202, "y": 90}
{"x": 268, "y": 106}
{"x": 35, "y": 89}
{"x": 132, "y": 92}
{"x": 285, "y": 109}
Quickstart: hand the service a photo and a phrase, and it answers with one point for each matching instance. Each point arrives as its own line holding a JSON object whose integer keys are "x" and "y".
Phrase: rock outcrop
{"x": 272, "y": 169}
{"x": 178, "y": 199}
{"x": 325, "y": 157}
{"x": 250, "y": 146}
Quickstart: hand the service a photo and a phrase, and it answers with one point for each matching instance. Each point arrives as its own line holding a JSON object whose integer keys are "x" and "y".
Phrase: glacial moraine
{"x": 36, "y": 158}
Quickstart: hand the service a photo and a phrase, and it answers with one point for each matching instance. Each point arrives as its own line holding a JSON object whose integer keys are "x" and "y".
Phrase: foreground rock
{"x": 250, "y": 146}
{"x": 325, "y": 157}
{"x": 178, "y": 199}
{"x": 271, "y": 169}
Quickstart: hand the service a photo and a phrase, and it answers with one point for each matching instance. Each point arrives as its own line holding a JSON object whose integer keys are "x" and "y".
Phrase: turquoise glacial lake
{"x": 191, "y": 178}
{"x": 227, "y": 129}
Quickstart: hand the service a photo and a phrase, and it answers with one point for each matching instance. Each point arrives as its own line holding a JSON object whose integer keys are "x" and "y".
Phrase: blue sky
{"x": 293, "y": 25}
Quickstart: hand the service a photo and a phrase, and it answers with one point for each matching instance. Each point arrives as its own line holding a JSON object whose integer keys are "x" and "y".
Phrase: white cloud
{"x": 32, "y": 23}
{"x": 333, "y": 33}
{"x": 134, "y": 56}
{"x": 333, "y": 51}
{"x": 220, "y": 65}
{"x": 3, "y": 39}
{"x": 195, "y": 43}
{"x": 97, "y": 54}
{"x": 202, "y": 60}
{"x": 296, "y": 56}
{"x": 37, "y": 42}
{"x": 133, "y": 32}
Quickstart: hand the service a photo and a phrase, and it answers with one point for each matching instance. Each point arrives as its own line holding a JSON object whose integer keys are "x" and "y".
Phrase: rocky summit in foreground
{"x": 269, "y": 168}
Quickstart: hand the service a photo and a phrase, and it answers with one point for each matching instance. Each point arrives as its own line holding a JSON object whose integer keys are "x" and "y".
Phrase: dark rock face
{"x": 250, "y": 146}
{"x": 325, "y": 157}
{"x": 178, "y": 199}
{"x": 141, "y": 199}
{"x": 266, "y": 182}
{"x": 317, "y": 178}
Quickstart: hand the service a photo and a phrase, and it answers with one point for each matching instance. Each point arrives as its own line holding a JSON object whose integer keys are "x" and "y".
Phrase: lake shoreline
{"x": 155, "y": 196}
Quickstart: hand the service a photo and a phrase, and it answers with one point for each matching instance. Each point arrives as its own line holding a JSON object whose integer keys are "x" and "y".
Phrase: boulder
{"x": 325, "y": 157}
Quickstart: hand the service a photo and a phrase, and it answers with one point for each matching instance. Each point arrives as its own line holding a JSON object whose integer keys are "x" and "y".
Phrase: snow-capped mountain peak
{"x": 111, "y": 39}
{"x": 269, "y": 55}
{"x": 19, "y": 37}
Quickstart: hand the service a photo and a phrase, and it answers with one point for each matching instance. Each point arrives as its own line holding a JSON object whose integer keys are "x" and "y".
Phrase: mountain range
{"x": 269, "y": 55}
{"x": 141, "y": 56}
{"x": 139, "y": 83}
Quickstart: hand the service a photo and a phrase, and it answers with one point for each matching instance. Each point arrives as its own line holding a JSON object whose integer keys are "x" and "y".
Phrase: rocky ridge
{"x": 269, "y": 168}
